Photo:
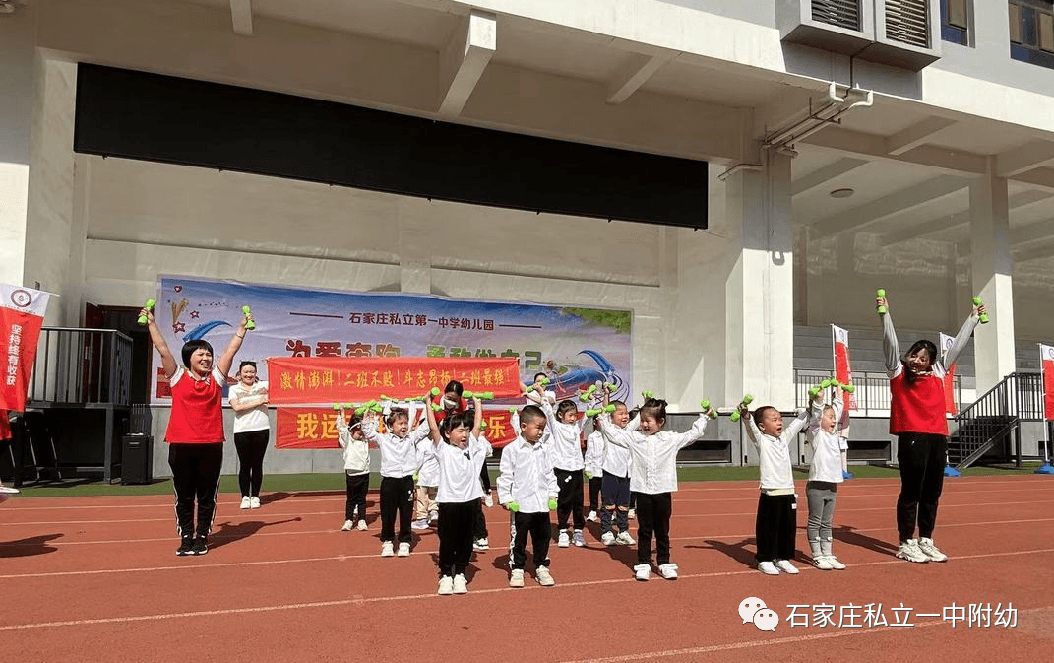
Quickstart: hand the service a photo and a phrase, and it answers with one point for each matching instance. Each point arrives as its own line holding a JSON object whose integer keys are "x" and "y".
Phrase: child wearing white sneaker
{"x": 825, "y": 473}
{"x": 653, "y": 455}
{"x": 356, "y": 468}
{"x": 479, "y": 526}
{"x": 527, "y": 488}
{"x": 460, "y": 453}
{"x": 565, "y": 448}
{"x": 594, "y": 462}
{"x": 616, "y": 487}
{"x": 427, "y": 484}
{"x": 776, "y": 520}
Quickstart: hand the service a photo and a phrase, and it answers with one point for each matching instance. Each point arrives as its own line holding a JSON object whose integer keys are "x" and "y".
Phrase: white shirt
{"x": 356, "y": 452}
{"x": 252, "y": 419}
{"x": 773, "y": 454}
{"x": 594, "y": 459}
{"x": 653, "y": 458}
{"x": 565, "y": 441}
{"x": 398, "y": 454}
{"x": 459, "y": 470}
{"x": 527, "y": 476}
{"x": 826, "y": 463}
{"x": 616, "y": 457}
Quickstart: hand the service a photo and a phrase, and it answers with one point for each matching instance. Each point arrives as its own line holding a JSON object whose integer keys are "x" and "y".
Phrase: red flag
{"x": 21, "y": 315}
{"x": 1046, "y": 353}
{"x": 950, "y": 406}
{"x": 842, "y": 370}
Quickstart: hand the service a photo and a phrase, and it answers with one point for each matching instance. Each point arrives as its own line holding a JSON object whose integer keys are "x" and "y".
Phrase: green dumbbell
{"x": 588, "y": 393}
{"x": 436, "y": 408}
{"x": 747, "y": 400}
{"x": 705, "y": 404}
{"x": 434, "y": 391}
{"x": 847, "y": 387}
{"x": 815, "y": 390}
{"x": 336, "y": 406}
{"x": 592, "y": 413}
{"x": 984, "y": 316}
{"x": 882, "y": 293}
{"x": 150, "y": 307}
{"x": 612, "y": 387}
{"x": 376, "y": 407}
{"x": 609, "y": 409}
{"x": 251, "y": 325}
{"x": 552, "y": 504}
{"x": 514, "y": 506}
{"x": 482, "y": 426}
{"x": 647, "y": 393}
{"x": 512, "y": 409}
{"x": 485, "y": 396}
{"x": 467, "y": 395}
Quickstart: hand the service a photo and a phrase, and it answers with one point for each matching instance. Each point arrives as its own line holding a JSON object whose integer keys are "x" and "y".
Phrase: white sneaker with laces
{"x": 446, "y": 586}
{"x": 785, "y": 566}
{"x": 362, "y": 525}
{"x": 578, "y": 539}
{"x": 768, "y": 568}
{"x": 931, "y": 551}
{"x": 835, "y": 564}
{"x": 564, "y": 541}
{"x": 545, "y": 579}
{"x": 460, "y": 584}
{"x": 419, "y": 524}
{"x": 387, "y": 549}
{"x": 624, "y": 539}
{"x": 254, "y": 502}
{"x": 488, "y": 500}
{"x": 909, "y": 550}
{"x": 607, "y": 538}
{"x": 631, "y": 514}
{"x": 822, "y": 562}
{"x": 668, "y": 571}
{"x": 245, "y": 502}
{"x": 433, "y": 516}
{"x": 642, "y": 571}
{"x": 347, "y": 526}
{"x": 516, "y": 578}
{"x": 592, "y": 516}
{"x": 404, "y": 549}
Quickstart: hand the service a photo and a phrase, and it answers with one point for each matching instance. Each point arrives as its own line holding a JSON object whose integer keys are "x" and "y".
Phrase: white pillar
{"x": 16, "y": 114}
{"x": 759, "y": 290}
{"x": 992, "y": 278}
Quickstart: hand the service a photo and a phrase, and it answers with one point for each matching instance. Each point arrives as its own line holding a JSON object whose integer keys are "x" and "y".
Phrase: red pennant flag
{"x": 842, "y": 370}
{"x": 1046, "y": 353}
{"x": 21, "y": 316}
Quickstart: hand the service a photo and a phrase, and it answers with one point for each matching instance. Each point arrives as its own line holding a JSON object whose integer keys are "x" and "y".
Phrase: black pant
{"x": 479, "y": 522}
{"x": 569, "y": 502}
{"x": 251, "y": 447}
{"x": 922, "y": 457}
{"x": 775, "y": 527}
{"x": 195, "y": 474}
{"x": 653, "y": 516}
{"x": 397, "y": 494}
{"x": 357, "y": 485}
{"x": 484, "y": 478}
{"x": 594, "y": 492}
{"x": 455, "y": 536}
{"x": 538, "y": 527}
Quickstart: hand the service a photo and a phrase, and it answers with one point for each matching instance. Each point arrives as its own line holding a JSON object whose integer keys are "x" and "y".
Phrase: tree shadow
{"x": 849, "y": 536}
{"x": 34, "y": 545}
{"x": 737, "y": 551}
{"x": 231, "y": 532}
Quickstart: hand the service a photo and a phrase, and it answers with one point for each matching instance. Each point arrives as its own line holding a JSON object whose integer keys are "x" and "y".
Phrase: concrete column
{"x": 16, "y": 115}
{"x": 759, "y": 290}
{"x": 992, "y": 277}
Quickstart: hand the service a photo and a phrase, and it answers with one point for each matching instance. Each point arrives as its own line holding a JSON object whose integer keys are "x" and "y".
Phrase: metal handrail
{"x": 78, "y": 365}
{"x": 872, "y": 393}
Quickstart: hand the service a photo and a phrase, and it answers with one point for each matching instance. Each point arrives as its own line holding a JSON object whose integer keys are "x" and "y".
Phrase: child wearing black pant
{"x": 356, "y": 469}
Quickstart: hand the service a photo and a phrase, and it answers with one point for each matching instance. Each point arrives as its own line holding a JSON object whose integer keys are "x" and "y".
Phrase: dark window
{"x": 955, "y": 21}
{"x": 1032, "y": 31}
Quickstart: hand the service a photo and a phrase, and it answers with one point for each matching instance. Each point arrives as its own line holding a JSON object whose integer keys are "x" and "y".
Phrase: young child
{"x": 527, "y": 488}
{"x": 399, "y": 463}
{"x": 776, "y": 520}
{"x": 479, "y": 527}
{"x": 195, "y": 430}
{"x": 565, "y": 449}
{"x": 356, "y": 468}
{"x": 460, "y": 454}
{"x": 653, "y": 455}
{"x": 616, "y": 487}
{"x": 594, "y": 462}
{"x": 425, "y": 508}
{"x": 825, "y": 473}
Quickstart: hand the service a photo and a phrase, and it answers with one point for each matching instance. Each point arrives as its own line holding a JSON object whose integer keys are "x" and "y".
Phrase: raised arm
{"x": 168, "y": 362}
{"x": 430, "y": 414}
{"x": 227, "y": 358}
{"x": 962, "y": 338}
{"x": 696, "y": 432}
{"x": 477, "y": 408}
{"x": 369, "y": 427}
{"x": 753, "y": 432}
{"x": 817, "y": 413}
{"x": 799, "y": 422}
{"x": 890, "y": 345}
{"x": 343, "y": 433}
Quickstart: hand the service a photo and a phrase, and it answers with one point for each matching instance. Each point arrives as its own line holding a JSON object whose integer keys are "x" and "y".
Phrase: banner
{"x": 1046, "y": 355}
{"x": 950, "y": 406}
{"x": 21, "y": 316}
{"x": 316, "y": 428}
{"x": 842, "y": 370}
{"x": 301, "y": 380}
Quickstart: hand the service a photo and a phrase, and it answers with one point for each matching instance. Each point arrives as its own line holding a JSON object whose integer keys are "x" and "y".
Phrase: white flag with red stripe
{"x": 1046, "y": 355}
{"x": 842, "y": 370}
{"x": 950, "y": 406}
{"x": 21, "y": 316}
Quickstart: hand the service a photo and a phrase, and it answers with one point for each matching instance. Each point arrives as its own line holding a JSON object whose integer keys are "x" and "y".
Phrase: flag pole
{"x": 949, "y": 471}
{"x": 1046, "y": 468}
{"x": 846, "y": 474}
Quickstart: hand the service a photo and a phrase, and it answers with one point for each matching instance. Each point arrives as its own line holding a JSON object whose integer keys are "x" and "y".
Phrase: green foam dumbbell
{"x": 747, "y": 400}
{"x": 251, "y": 325}
{"x": 150, "y": 307}
{"x": 984, "y": 316}
{"x": 705, "y": 404}
{"x": 882, "y": 293}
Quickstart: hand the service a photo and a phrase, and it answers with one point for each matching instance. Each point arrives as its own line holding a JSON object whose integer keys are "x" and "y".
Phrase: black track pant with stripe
{"x": 195, "y": 476}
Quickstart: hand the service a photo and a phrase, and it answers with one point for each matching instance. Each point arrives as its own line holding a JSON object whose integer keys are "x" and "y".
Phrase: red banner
{"x": 1047, "y": 354}
{"x": 297, "y": 380}
{"x": 21, "y": 315}
{"x": 842, "y": 370}
{"x": 316, "y": 428}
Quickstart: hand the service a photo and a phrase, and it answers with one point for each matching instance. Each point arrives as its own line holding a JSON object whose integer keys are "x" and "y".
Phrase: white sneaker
{"x": 544, "y": 578}
{"x": 446, "y": 586}
{"x": 387, "y": 549}
{"x": 404, "y": 549}
{"x": 362, "y": 525}
{"x": 564, "y": 541}
{"x": 419, "y": 524}
{"x": 668, "y": 571}
{"x": 433, "y": 516}
{"x": 632, "y": 513}
{"x": 481, "y": 544}
{"x": 822, "y": 562}
{"x": 624, "y": 539}
{"x": 254, "y": 502}
{"x": 768, "y": 568}
{"x": 642, "y": 571}
{"x": 607, "y": 538}
{"x": 909, "y": 550}
{"x": 347, "y": 526}
{"x": 931, "y": 551}
{"x": 785, "y": 566}
{"x": 488, "y": 500}
{"x": 245, "y": 502}
{"x": 578, "y": 539}
{"x": 460, "y": 584}
{"x": 835, "y": 564}
{"x": 592, "y": 516}
{"x": 516, "y": 578}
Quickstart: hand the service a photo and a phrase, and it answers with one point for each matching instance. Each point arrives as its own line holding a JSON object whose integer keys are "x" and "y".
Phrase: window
{"x": 1032, "y": 31}
{"x": 955, "y": 19}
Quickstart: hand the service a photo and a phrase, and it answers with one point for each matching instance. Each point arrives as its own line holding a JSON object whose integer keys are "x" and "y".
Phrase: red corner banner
{"x": 21, "y": 315}
{"x": 316, "y": 428}
{"x": 1046, "y": 353}
{"x": 300, "y": 380}
{"x": 842, "y": 369}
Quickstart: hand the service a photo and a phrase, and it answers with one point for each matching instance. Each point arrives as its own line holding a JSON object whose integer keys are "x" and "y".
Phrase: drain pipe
{"x": 819, "y": 119}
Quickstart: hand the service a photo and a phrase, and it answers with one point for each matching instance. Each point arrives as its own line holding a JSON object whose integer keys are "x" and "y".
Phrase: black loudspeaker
{"x": 137, "y": 458}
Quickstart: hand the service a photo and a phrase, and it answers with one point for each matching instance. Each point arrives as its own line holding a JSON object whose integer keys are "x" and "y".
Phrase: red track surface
{"x": 96, "y": 579}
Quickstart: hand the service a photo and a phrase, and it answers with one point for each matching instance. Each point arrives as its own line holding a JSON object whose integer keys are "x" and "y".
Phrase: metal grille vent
{"x": 907, "y": 21}
{"x": 840, "y": 13}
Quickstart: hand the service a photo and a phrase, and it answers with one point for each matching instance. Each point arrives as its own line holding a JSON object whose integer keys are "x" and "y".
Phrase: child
{"x": 653, "y": 454}
{"x": 425, "y": 509}
{"x": 825, "y": 473}
{"x": 195, "y": 430}
{"x": 776, "y": 522}
{"x": 479, "y": 527}
{"x": 252, "y": 430}
{"x": 616, "y": 487}
{"x": 399, "y": 462}
{"x": 594, "y": 462}
{"x": 565, "y": 448}
{"x": 460, "y": 454}
{"x": 527, "y": 488}
{"x": 356, "y": 468}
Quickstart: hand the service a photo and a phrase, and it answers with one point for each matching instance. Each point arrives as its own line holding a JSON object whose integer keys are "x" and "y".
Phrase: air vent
{"x": 840, "y": 13}
{"x": 907, "y": 21}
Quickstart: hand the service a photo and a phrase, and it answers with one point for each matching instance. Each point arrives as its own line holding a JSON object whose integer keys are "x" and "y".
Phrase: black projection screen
{"x": 149, "y": 117}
